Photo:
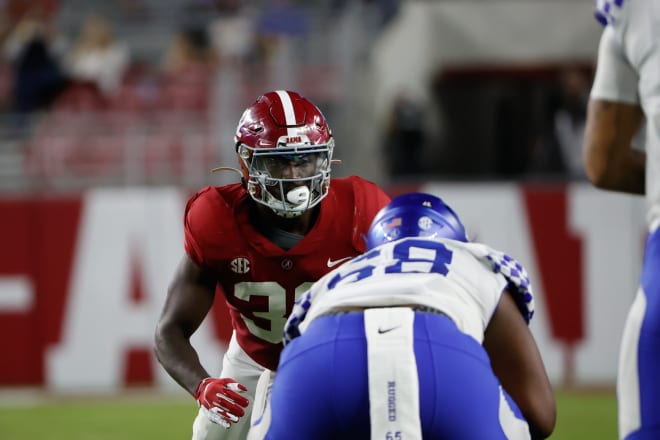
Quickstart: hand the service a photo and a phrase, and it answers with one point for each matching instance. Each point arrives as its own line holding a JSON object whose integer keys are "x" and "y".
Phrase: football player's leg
{"x": 638, "y": 384}
{"x": 628, "y": 376}
{"x": 460, "y": 397}
{"x": 237, "y": 365}
{"x": 320, "y": 390}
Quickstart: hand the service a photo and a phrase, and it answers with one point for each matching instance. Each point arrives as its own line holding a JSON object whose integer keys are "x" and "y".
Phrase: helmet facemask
{"x": 290, "y": 178}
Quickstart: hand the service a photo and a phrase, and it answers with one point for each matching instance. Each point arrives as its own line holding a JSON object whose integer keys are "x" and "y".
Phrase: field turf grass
{"x": 581, "y": 415}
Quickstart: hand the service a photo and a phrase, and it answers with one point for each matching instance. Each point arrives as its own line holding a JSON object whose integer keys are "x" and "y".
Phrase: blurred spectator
{"x": 279, "y": 22}
{"x": 140, "y": 89}
{"x": 189, "y": 47}
{"x": 97, "y": 56}
{"x": 232, "y": 34}
{"x": 405, "y": 137}
{"x": 187, "y": 68}
{"x": 557, "y": 147}
{"x": 283, "y": 17}
{"x": 34, "y": 48}
{"x": 570, "y": 118}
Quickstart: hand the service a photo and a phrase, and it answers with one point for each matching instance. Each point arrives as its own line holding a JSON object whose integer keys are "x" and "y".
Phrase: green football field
{"x": 581, "y": 416}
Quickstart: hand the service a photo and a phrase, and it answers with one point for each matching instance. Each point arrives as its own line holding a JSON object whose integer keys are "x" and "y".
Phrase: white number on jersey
{"x": 410, "y": 256}
{"x": 276, "y": 313}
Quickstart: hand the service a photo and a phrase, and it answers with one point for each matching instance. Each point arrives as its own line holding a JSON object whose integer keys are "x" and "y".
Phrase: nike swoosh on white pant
{"x": 336, "y": 262}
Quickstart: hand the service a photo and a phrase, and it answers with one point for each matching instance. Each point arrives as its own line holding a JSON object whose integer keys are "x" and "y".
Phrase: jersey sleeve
{"x": 615, "y": 78}
{"x": 517, "y": 279}
{"x": 607, "y": 12}
{"x": 369, "y": 199}
{"x": 196, "y": 220}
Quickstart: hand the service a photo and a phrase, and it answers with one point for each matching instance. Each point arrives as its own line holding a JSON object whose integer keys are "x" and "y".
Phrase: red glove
{"x": 220, "y": 401}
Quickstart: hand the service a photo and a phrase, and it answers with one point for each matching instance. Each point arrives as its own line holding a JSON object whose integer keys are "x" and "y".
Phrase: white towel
{"x": 393, "y": 382}
{"x": 261, "y": 412}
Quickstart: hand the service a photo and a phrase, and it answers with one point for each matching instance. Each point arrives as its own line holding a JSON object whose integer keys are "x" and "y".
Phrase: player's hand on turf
{"x": 220, "y": 400}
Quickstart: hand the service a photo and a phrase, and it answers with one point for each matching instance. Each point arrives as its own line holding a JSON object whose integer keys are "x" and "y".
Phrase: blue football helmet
{"x": 415, "y": 215}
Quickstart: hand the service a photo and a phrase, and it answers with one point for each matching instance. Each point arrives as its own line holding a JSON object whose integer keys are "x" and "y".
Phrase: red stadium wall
{"x": 82, "y": 279}
{"x": 38, "y": 239}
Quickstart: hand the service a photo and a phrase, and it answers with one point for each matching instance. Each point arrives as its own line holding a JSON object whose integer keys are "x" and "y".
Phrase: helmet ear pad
{"x": 415, "y": 215}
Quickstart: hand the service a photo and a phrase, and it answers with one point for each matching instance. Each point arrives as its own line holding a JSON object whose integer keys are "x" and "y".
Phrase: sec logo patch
{"x": 240, "y": 265}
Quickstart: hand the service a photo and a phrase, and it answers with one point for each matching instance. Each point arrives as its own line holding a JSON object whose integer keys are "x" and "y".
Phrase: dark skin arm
{"x": 517, "y": 363}
{"x": 609, "y": 160}
{"x": 189, "y": 299}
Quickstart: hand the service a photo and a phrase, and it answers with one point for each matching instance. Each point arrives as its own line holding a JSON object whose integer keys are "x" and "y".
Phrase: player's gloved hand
{"x": 220, "y": 400}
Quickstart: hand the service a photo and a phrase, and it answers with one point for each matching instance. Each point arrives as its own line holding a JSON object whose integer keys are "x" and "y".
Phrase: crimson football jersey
{"x": 259, "y": 280}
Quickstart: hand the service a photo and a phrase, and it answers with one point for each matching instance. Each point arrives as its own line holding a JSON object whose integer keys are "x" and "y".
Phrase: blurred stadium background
{"x": 112, "y": 113}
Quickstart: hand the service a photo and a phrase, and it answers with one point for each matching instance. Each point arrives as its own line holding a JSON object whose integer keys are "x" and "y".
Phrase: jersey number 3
{"x": 276, "y": 312}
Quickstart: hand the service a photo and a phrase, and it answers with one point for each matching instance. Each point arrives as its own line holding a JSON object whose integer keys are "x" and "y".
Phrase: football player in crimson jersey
{"x": 257, "y": 245}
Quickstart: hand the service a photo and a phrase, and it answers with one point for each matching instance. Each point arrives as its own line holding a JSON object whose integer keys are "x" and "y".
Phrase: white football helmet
{"x": 284, "y": 146}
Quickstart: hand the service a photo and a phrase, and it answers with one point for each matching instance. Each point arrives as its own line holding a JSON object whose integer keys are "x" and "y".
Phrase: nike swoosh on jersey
{"x": 336, "y": 262}
{"x": 381, "y": 331}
